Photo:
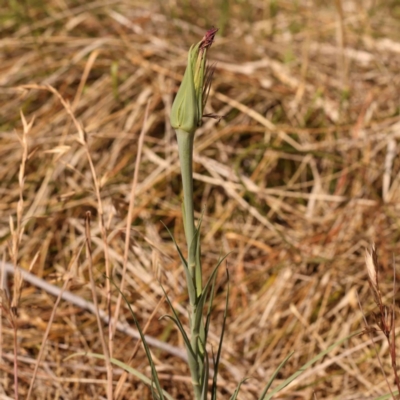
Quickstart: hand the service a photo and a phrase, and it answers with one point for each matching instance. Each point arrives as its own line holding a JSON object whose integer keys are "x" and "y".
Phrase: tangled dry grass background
{"x": 299, "y": 176}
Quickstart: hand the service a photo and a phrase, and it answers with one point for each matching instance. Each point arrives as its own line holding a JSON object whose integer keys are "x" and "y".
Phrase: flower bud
{"x": 187, "y": 109}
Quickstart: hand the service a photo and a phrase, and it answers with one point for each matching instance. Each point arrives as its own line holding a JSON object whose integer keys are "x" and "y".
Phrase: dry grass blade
{"x": 48, "y": 328}
{"x": 130, "y": 211}
{"x": 96, "y": 305}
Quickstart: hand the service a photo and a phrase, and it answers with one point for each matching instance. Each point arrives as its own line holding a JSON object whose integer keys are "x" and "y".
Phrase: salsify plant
{"x": 186, "y": 116}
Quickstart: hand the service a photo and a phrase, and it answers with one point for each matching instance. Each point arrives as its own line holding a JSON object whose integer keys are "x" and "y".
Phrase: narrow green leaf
{"x": 153, "y": 392}
{"x": 204, "y": 385}
{"x": 183, "y": 215}
{"x": 308, "y": 364}
{"x": 221, "y": 339}
{"x": 236, "y": 392}
{"x": 146, "y": 347}
{"x": 184, "y": 262}
{"x": 192, "y": 357}
{"x": 264, "y": 392}
{"x": 387, "y": 396}
{"x": 210, "y": 303}
{"x": 198, "y": 269}
{"x": 177, "y": 322}
{"x": 192, "y": 258}
{"x": 125, "y": 367}
{"x": 189, "y": 280}
{"x": 201, "y": 300}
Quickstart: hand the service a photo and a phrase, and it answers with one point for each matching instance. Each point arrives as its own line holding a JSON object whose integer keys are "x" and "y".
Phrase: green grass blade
{"x": 210, "y": 303}
{"x": 192, "y": 357}
{"x": 221, "y": 339}
{"x": 204, "y": 385}
{"x": 189, "y": 278}
{"x": 264, "y": 392}
{"x": 184, "y": 219}
{"x": 193, "y": 248}
{"x": 387, "y": 396}
{"x": 204, "y": 294}
{"x": 185, "y": 338}
{"x": 198, "y": 271}
{"x": 146, "y": 347}
{"x": 308, "y": 364}
{"x": 236, "y": 392}
{"x": 153, "y": 392}
{"x": 184, "y": 262}
{"x": 179, "y": 325}
{"x": 125, "y": 367}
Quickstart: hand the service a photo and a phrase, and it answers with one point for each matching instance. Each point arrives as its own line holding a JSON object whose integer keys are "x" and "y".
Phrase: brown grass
{"x": 296, "y": 180}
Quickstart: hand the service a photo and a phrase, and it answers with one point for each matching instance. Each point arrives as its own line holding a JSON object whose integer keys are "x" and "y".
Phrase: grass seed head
{"x": 371, "y": 263}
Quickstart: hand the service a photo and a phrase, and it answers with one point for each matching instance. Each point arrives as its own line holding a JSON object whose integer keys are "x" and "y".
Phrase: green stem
{"x": 185, "y": 147}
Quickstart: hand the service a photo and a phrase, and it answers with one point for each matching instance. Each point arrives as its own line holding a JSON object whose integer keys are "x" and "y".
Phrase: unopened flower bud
{"x": 187, "y": 109}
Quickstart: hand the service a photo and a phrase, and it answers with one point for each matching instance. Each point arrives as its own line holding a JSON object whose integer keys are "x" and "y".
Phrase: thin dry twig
{"x": 130, "y": 211}
{"x": 96, "y": 307}
{"x": 71, "y": 298}
{"x": 48, "y": 327}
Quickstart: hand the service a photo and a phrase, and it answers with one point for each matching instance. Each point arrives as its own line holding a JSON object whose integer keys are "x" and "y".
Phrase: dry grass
{"x": 296, "y": 180}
